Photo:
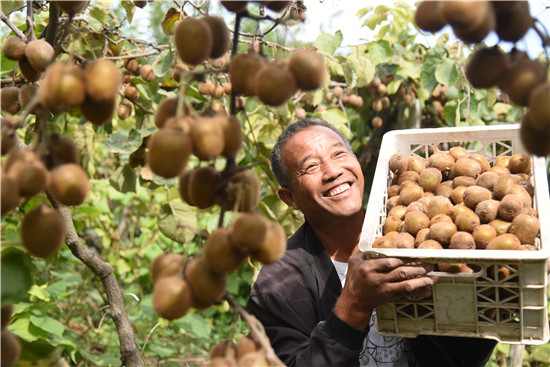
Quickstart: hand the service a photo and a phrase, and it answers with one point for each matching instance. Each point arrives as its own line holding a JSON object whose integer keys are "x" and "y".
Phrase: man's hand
{"x": 371, "y": 283}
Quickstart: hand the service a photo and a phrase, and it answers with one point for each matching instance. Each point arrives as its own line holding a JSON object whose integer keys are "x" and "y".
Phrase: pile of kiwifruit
{"x": 201, "y": 282}
{"x": 523, "y": 79}
{"x": 245, "y": 352}
{"x": 458, "y": 200}
{"x": 11, "y": 348}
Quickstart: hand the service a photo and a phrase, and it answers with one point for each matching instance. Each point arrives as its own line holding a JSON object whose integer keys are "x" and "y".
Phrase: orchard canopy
{"x": 138, "y": 203}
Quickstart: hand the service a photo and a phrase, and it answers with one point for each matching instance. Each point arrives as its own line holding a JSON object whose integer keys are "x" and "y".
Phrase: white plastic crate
{"x": 511, "y": 310}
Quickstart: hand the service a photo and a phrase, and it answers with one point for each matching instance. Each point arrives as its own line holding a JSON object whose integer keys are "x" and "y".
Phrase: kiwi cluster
{"x": 458, "y": 200}
{"x": 201, "y": 282}
{"x": 11, "y": 347}
{"x": 240, "y": 6}
{"x": 245, "y": 352}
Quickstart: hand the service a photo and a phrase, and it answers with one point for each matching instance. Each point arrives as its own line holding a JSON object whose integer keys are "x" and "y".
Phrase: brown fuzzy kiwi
{"x": 204, "y": 187}
{"x": 132, "y": 65}
{"x": 527, "y": 247}
{"x": 442, "y": 232}
{"x": 483, "y": 234}
{"x": 510, "y": 206}
{"x": 10, "y": 100}
{"x": 417, "y": 164}
{"x": 393, "y": 190}
{"x": 483, "y": 162}
{"x": 502, "y": 161}
{"x": 462, "y": 241}
{"x": 505, "y": 241}
{"x": 39, "y": 53}
{"x": 220, "y": 35}
{"x": 243, "y": 71}
{"x": 473, "y": 195}
{"x": 28, "y": 171}
{"x": 208, "y": 137}
{"x": 421, "y": 236}
{"x": 167, "y": 265}
{"x": 466, "y": 15}
{"x": 429, "y": 179}
{"x": 535, "y": 139}
{"x": 72, "y": 7}
{"x": 249, "y": 232}
{"x": 398, "y": 211}
{"x": 440, "y": 218}
{"x": 487, "y": 210}
{"x": 529, "y": 211}
{"x": 538, "y": 111}
{"x": 416, "y": 205}
{"x": 97, "y": 112}
{"x": 172, "y": 297}
{"x": 11, "y": 349}
{"x": 391, "y": 224}
{"x": 458, "y": 209}
{"x": 392, "y": 202}
{"x": 519, "y": 163}
{"x": 10, "y": 194}
{"x": 9, "y": 137}
{"x": 415, "y": 221}
{"x": 224, "y": 349}
{"x": 124, "y": 109}
{"x": 275, "y": 83}
{"x": 205, "y": 87}
{"x": 166, "y": 109}
{"x": 500, "y": 226}
{"x": 235, "y": 6}
{"x": 6, "y": 314}
{"x": 487, "y": 180}
{"x": 458, "y": 152}
{"x": 404, "y": 240}
{"x": 406, "y": 184}
{"x": 232, "y": 135}
{"x": 467, "y": 167}
{"x": 168, "y": 152}
{"x": 431, "y": 245}
{"x": 410, "y": 194}
{"x": 464, "y": 181}
{"x": 444, "y": 190}
{"x": 61, "y": 150}
{"x": 521, "y": 78}
{"x": 477, "y": 34}
{"x": 438, "y": 205}
{"x": 503, "y": 184}
{"x": 69, "y": 184}
{"x": 31, "y": 74}
{"x": 63, "y": 87}
{"x": 467, "y": 221}
{"x": 193, "y": 39}
{"x": 277, "y": 5}
{"x": 429, "y": 17}
{"x": 527, "y": 186}
{"x": 103, "y": 78}
{"x": 408, "y": 176}
{"x": 486, "y": 67}
{"x": 526, "y": 227}
{"x": 383, "y": 242}
{"x": 500, "y": 170}
{"x": 13, "y": 48}
{"x": 398, "y": 163}
{"x": 245, "y": 345}
{"x": 26, "y": 95}
{"x": 208, "y": 285}
{"x": 273, "y": 247}
{"x": 392, "y": 235}
{"x": 308, "y": 68}
{"x": 243, "y": 191}
{"x": 520, "y": 191}
{"x": 457, "y": 194}
{"x": 220, "y": 253}
{"x": 513, "y": 25}
{"x": 442, "y": 161}
{"x": 454, "y": 268}
{"x": 42, "y": 231}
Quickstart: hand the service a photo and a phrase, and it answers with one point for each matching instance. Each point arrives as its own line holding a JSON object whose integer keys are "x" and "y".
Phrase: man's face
{"x": 326, "y": 178}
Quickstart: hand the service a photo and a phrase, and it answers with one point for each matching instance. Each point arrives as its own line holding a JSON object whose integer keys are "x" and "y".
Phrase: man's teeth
{"x": 339, "y": 190}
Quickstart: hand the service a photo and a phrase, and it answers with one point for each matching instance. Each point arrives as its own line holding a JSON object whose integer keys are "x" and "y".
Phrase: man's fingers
{"x": 406, "y": 272}
{"x": 419, "y": 287}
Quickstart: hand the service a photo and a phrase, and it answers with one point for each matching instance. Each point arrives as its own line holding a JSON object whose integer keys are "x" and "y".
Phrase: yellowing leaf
{"x": 169, "y": 21}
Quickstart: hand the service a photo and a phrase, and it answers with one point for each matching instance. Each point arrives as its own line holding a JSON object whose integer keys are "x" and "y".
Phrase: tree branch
{"x": 12, "y": 26}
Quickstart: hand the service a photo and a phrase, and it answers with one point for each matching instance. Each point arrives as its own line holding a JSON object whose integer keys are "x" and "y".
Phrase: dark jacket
{"x": 294, "y": 298}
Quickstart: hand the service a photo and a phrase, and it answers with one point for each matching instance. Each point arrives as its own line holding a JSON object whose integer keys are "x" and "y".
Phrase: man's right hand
{"x": 371, "y": 283}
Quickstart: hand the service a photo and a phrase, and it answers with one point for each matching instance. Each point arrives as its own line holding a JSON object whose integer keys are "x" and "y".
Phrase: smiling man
{"x": 318, "y": 303}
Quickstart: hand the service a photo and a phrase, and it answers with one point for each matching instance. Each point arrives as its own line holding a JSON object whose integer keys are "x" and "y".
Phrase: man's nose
{"x": 331, "y": 170}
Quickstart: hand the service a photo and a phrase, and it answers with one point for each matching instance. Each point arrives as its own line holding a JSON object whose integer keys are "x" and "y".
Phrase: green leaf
{"x": 541, "y": 353}
{"x": 450, "y": 111}
{"x": 124, "y": 179}
{"x": 373, "y": 20}
{"x": 20, "y": 327}
{"x": 130, "y": 9}
{"x": 40, "y": 292}
{"x": 46, "y": 323}
{"x": 327, "y": 44}
{"x": 365, "y": 71}
{"x": 361, "y": 13}
{"x": 9, "y": 6}
{"x": 338, "y": 119}
{"x": 393, "y": 86}
{"x": 380, "y": 52}
{"x": 447, "y": 72}
{"x": 492, "y": 94}
{"x": 160, "y": 350}
{"x": 195, "y": 324}
{"x": 124, "y": 141}
{"x": 162, "y": 67}
{"x": 16, "y": 275}
{"x": 433, "y": 57}
{"x": 177, "y": 222}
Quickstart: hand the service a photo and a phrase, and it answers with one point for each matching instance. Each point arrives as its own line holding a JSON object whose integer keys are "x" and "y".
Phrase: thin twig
{"x": 467, "y": 94}
{"x": 132, "y": 56}
{"x": 269, "y": 44}
{"x": 146, "y": 110}
{"x": 12, "y": 26}
{"x": 30, "y": 21}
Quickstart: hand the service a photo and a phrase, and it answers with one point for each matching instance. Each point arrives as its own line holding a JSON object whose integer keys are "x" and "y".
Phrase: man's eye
{"x": 340, "y": 154}
{"x": 311, "y": 168}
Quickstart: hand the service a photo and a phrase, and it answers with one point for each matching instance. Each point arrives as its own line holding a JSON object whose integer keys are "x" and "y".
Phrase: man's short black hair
{"x": 277, "y": 165}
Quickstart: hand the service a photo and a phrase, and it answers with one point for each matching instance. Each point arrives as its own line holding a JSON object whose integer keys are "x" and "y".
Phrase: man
{"x": 317, "y": 303}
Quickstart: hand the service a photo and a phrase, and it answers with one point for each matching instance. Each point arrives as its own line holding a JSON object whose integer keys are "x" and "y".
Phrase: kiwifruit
{"x": 224, "y": 349}
{"x": 275, "y": 83}
{"x": 519, "y": 163}
{"x": 534, "y": 138}
{"x": 220, "y": 35}
{"x": 39, "y": 53}
{"x": 500, "y": 226}
{"x": 131, "y": 92}
{"x": 42, "y": 231}
{"x": 410, "y": 194}
{"x": 458, "y": 152}
{"x": 98, "y": 112}
{"x": 454, "y": 268}
{"x": 428, "y": 194}
{"x": 32, "y": 75}
{"x": 462, "y": 241}
{"x": 393, "y": 190}
{"x": 442, "y": 161}
{"x": 500, "y": 170}
{"x": 13, "y": 48}
{"x": 527, "y": 247}
{"x": 11, "y": 349}
{"x": 467, "y": 221}
{"x": 383, "y": 242}
{"x": 457, "y": 194}
{"x": 194, "y": 40}
{"x": 207, "y": 284}
{"x": 168, "y": 152}
{"x": 444, "y": 190}
{"x": 72, "y": 7}
{"x": 518, "y": 190}
{"x": 457, "y": 209}
{"x": 513, "y": 25}
{"x": 505, "y": 241}
{"x": 430, "y": 244}
{"x": 421, "y": 236}
{"x": 538, "y": 111}
{"x": 473, "y": 195}
{"x": 406, "y": 184}
{"x": 398, "y": 211}
{"x": 502, "y": 160}
{"x": 277, "y": 5}
{"x": 10, "y": 194}
{"x": 477, "y": 33}
{"x": 69, "y": 184}
{"x": 6, "y": 313}
{"x": 217, "y": 92}
{"x": 529, "y": 211}
{"x": 416, "y": 205}
{"x": 398, "y": 163}
{"x": 232, "y": 135}
{"x": 172, "y": 297}
{"x": 103, "y": 78}
{"x": 464, "y": 181}
{"x": 415, "y": 221}
{"x": 417, "y": 164}
{"x": 503, "y": 184}
{"x": 391, "y": 224}
{"x": 429, "y": 179}
{"x": 183, "y": 185}
{"x": 509, "y": 207}
{"x": 30, "y": 174}
{"x": 429, "y": 16}
{"x": 61, "y": 150}
{"x": 235, "y": 6}
{"x": 62, "y": 87}
{"x": 167, "y": 265}
{"x": 132, "y": 65}
{"x": 274, "y": 245}
{"x": 483, "y": 163}
{"x": 483, "y": 234}
{"x": 467, "y": 167}
{"x": 442, "y": 232}
{"x": 438, "y": 205}
{"x": 204, "y": 187}
{"x": 404, "y": 240}
{"x": 254, "y": 359}
{"x": 220, "y": 253}
{"x": 220, "y": 62}
{"x": 487, "y": 210}
{"x": 245, "y": 345}
{"x": 243, "y": 191}
{"x": 166, "y": 109}
{"x": 124, "y": 109}
{"x": 227, "y": 87}
{"x": 26, "y": 95}
{"x": 207, "y": 135}
{"x": 308, "y": 68}
{"x": 486, "y": 67}
{"x": 527, "y": 186}
{"x": 392, "y": 235}
{"x": 9, "y": 138}
{"x": 10, "y": 100}
{"x": 249, "y": 232}
{"x": 243, "y": 71}
{"x": 440, "y": 218}
{"x": 520, "y": 79}
{"x": 467, "y": 15}
{"x": 487, "y": 180}
{"x": 526, "y": 227}
{"x": 408, "y": 176}
{"x": 392, "y": 202}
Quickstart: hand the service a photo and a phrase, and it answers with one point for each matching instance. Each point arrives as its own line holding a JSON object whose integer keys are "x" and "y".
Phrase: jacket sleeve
{"x": 298, "y": 340}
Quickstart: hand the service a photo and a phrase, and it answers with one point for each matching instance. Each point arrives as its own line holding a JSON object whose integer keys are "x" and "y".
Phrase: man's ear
{"x": 286, "y": 195}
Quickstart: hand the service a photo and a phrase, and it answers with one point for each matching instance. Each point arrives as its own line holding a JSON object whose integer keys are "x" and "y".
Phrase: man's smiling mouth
{"x": 338, "y": 190}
